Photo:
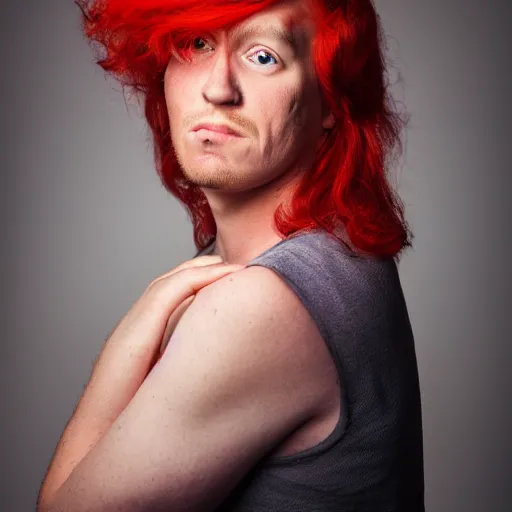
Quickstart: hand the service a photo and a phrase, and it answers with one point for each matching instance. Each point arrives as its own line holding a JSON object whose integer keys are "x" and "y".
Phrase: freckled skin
{"x": 276, "y": 104}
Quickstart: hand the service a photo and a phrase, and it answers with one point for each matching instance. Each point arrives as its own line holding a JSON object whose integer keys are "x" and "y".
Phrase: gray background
{"x": 86, "y": 226}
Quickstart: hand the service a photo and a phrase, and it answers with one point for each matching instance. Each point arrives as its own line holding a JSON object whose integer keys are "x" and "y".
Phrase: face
{"x": 258, "y": 84}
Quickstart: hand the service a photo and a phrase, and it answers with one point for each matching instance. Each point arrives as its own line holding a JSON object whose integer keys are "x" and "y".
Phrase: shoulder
{"x": 258, "y": 297}
{"x": 254, "y": 323}
{"x": 253, "y": 300}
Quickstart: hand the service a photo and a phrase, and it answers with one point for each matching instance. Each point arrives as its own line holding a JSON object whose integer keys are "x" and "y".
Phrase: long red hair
{"x": 346, "y": 192}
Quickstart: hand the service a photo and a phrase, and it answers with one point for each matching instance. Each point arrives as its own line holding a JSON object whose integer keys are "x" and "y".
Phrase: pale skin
{"x": 126, "y": 359}
{"x": 244, "y": 366}
{"x": 276, "y": 105}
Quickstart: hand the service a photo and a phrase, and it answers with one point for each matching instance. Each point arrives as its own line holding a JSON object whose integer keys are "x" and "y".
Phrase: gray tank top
{"x": 373, "y": 459}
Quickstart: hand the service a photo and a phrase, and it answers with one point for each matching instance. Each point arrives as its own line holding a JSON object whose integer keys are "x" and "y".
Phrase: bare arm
{"x": 124, "y": 362}
{"x": 232, "y": 384}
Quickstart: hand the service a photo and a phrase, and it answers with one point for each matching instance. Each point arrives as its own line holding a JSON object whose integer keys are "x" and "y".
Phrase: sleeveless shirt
{"x": 373, "y": 459}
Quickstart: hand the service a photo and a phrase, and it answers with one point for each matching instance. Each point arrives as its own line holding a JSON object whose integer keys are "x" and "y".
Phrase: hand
{"x": 173, "y": 321}
{"x": 149, "y": 324}
{"x": 175, "y": 316}
{"x": 178, "y": 312}
{"x": 134, "y": 346}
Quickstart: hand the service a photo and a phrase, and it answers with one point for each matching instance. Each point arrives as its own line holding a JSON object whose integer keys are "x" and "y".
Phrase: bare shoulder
{"x": 254, "y": 319}
{"x": 259, "y": 298}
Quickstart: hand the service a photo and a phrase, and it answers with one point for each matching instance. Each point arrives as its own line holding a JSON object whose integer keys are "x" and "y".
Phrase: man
{"x": 290, "y": 384}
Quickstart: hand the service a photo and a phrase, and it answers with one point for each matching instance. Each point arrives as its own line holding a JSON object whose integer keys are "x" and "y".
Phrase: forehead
{"x": 288, "y": 22}
{"x": 288, "y": 14}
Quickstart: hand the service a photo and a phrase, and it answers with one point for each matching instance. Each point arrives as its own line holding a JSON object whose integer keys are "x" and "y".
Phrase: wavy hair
{"x": 346, "y": 192}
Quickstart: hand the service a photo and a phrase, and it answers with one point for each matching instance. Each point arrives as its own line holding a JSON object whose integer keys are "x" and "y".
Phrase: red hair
{"x": 346, "y": 192}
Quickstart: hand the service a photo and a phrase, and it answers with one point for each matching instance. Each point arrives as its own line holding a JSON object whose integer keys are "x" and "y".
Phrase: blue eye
{"x": 263, "y": 52}
{"x": 259, "y": 54}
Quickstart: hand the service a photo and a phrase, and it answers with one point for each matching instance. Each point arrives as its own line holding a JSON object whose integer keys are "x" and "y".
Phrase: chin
{"x": 220, "y": 180}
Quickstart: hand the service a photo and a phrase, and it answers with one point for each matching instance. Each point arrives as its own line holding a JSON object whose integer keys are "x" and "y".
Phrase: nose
{"x": 221, "y": 88}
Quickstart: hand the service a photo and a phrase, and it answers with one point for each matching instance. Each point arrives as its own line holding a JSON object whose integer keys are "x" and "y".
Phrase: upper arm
{"x": 234, "y": 381}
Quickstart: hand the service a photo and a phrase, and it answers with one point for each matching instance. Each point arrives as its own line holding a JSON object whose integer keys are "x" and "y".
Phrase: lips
{"x": 218, "y": 128}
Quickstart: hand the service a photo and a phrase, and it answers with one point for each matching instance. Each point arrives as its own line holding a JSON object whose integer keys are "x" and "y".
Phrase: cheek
{"x": 294, "y": 118}
{"x": 170, "y": 91}
{"x": 305, "y": 113}
{"x": 282, "y": 113}
{"x": 175, "y": 97}
{"x": 298, "y": 123}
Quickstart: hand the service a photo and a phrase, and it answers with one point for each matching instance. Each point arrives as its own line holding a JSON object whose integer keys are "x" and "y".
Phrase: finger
{"x": 176, "y": 315}
{"x": 173, "y": 320}
{"x": 200, "y": 261}
{"x": 188, "y": 282}
{"x": 208, "y": 273}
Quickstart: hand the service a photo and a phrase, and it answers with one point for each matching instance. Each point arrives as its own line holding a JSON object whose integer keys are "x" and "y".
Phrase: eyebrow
{"x": 277, "y": 33}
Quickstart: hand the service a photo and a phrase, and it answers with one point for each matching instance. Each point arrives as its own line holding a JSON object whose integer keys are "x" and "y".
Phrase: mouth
{"x": 214, "y": 133}
{"x": 218, "y": 128}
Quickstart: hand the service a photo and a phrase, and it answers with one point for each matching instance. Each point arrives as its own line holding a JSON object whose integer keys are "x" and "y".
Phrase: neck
{"x": 245, "y": 220}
